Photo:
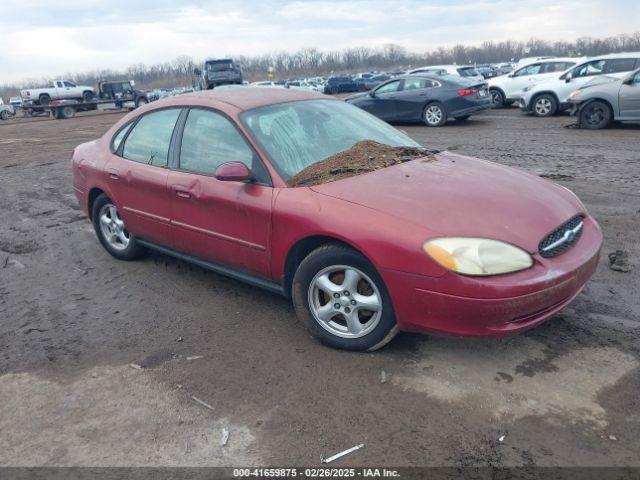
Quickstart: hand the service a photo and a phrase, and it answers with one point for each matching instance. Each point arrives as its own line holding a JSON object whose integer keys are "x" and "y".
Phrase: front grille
{"x": 561, "y": 239}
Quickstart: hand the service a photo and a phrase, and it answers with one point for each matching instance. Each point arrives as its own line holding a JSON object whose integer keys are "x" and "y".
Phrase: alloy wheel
{"x": 112, "y": 228}
{"x": 543, "y": 106}
{"x": 433, "y": 115}
{"x": 345, "y": 301}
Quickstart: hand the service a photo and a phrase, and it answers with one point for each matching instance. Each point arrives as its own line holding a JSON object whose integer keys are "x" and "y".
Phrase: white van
{"x": 507, "y": 89}
{"x": 549, "y": 97}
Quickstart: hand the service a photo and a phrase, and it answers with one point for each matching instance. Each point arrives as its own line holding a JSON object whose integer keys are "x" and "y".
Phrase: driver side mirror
{"x": 372, "y": 94}
{"x": 233, "y": 172}
{"x": 567, "y": 79}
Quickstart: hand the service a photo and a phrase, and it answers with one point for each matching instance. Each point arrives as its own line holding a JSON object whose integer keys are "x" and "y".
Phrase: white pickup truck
{"x": 58, "y": 90}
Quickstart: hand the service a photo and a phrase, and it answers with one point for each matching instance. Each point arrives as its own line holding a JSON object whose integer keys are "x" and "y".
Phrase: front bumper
{"x": 496, "y": 306}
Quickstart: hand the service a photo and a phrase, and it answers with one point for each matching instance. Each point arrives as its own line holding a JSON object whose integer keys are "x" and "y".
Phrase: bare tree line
{"x": 311, "y": 62}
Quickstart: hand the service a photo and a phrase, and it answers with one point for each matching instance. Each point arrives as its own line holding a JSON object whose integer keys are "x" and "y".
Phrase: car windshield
{"x": 298, "y": 134}
{"x": 468, "y": 72}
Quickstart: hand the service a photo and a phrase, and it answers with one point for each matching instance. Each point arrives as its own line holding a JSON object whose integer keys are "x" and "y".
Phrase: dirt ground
{"x": 73, "y": 319}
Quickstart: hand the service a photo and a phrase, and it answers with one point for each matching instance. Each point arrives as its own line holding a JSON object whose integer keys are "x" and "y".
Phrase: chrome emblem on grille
{"x": 567, "y": 237}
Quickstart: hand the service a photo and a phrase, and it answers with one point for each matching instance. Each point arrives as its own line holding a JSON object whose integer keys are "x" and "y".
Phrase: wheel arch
{"x": 600, "y": 99}
{"x": 94, "y": 193}
{"x": 303, "y": 247}
{"x": 546, "y": 92}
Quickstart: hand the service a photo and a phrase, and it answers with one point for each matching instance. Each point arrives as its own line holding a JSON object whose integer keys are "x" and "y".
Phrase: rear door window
{"x": 150, "y": 138}
{"x": 415, "y": 83}
{"x": 617, "y": 65}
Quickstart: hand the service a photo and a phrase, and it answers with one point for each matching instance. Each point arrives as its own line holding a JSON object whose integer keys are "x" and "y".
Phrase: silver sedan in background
{"x": 605, "y": 99}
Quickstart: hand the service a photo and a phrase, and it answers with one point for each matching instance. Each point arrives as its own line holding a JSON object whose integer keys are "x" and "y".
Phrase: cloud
{"x": 80, "y": 35}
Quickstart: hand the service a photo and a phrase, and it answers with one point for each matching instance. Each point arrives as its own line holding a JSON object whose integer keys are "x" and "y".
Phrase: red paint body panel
{"x": 386, "y": 215}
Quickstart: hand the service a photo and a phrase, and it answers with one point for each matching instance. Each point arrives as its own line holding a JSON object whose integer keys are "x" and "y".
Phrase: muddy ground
{"x": 73, "y": 319}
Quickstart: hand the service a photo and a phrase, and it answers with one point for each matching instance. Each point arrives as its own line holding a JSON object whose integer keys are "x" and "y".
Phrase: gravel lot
{"x": 72, "y": 320}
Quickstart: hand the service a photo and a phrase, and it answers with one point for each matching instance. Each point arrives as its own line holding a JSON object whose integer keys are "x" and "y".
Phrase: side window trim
{"x": 174, "y": 153}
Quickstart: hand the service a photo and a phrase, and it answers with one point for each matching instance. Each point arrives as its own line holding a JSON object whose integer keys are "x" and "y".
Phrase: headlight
{"x": 477, "y": 256}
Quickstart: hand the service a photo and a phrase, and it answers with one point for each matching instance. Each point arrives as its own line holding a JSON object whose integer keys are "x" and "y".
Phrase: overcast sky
{"x": 57, "y": 36}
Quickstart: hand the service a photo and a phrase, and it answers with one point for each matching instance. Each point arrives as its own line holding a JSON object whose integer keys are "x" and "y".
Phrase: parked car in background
{"x": 444, "y": 243}
{"x": 342, "y": 84}
{"x": 267, "y": 83}
{"x": 374, "y": 81}
{"x": 487, "y": 71}
{"x": 432, "y": 100}
{"x": 549, "y": 97}
{"x": 6, "y": 111}
{"x": 605, "y": 99}
{"x": 463, "y": 71}
{"x": 506, "y": 89}
{"x": 123, "y": 90}
{"x": 216, "y": 72}
{"x": 16, "y": 102}
{"x": 57, "y": 90}
{"x": 302, "y": 85}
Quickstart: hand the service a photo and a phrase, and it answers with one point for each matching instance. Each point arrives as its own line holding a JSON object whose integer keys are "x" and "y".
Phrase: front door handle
{"x": 180, "y": 191}
{"x": 113, "y": 175}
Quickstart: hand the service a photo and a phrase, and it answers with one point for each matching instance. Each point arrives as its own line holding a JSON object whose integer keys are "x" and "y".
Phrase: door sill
{"x": 245, "y": 277}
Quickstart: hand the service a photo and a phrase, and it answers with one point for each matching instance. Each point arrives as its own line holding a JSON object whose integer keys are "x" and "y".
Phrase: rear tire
{"x": 544, "y": 105}
{"x": 111, "y": 232}
{"x": 4, "y": 115}
{"x": 44, "y": 99}
{"x": 342, "y": 299}
{"x": 66, "y": 112}
{"x": 434, "y": 115}
{"x": 595, "y": 115}
{"x": 87, "y": 96}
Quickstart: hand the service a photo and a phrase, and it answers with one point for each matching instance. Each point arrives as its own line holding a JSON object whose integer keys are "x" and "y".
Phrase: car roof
{"x": 241, "y": 98}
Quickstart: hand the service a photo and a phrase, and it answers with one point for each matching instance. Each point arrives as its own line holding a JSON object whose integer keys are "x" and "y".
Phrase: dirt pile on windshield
{"x": 365, "y": 156}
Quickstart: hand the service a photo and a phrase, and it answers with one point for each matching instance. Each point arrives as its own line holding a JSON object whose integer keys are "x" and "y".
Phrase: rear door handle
{"x": 113, "y": 174}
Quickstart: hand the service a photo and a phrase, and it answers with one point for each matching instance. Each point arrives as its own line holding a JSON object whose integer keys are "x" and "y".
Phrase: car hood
{"x": 454, "y": 195}
{"x": 600, "y": 80}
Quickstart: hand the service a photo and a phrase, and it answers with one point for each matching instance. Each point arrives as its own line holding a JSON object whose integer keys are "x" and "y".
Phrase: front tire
{"x": 342, "y": 299}
{"x": 111, "y": 231}
{"x": 87, "y": 96}
{"x": 44, "y": 99}
{"x": 434, "y": 115}
{"x": 4, "y": 115}
{"x": 497, "y": 98}
{"x": 544, "y": 105}
{"x": 595, "y": 115}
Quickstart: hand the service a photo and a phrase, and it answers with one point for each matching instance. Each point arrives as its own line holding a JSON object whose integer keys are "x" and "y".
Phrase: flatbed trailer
{"x": 116, "y": 95}
{"x": 63, "y": 109}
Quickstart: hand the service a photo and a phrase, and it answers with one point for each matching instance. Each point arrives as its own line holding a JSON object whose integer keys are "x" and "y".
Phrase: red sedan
{"x": 453, "y": 245}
